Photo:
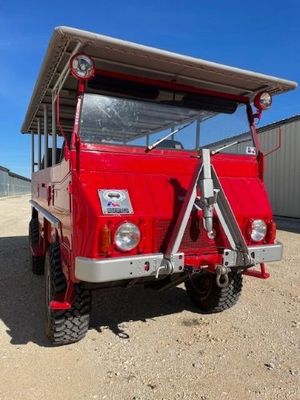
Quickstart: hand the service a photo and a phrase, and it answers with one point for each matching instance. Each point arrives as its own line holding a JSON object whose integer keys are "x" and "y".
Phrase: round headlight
{"x": 263, "y": 101}
{"x": 258, "y": 230}
{"x": 82, "y": 67}
{"x": 127, "y": 236}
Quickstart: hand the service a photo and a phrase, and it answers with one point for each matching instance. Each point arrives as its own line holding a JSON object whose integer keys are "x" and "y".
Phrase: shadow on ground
{"x": 288, "y": 224}
{"x": 21, "y": 293}
{"x": 111, "y": 308}
{"x": 22, "y": 299}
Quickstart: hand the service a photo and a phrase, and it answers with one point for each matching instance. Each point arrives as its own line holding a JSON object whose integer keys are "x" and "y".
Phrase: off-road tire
{"x": 64, "y": 326}
{"x": 37, "y": 262}
{"x": 210, "y": 298}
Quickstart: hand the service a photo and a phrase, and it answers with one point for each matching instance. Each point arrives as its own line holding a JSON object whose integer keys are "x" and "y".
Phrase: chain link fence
{"x": 12, "y": 184}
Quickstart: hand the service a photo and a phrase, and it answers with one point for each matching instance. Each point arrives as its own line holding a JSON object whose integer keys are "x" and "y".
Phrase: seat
{"x": 170, "y": 144}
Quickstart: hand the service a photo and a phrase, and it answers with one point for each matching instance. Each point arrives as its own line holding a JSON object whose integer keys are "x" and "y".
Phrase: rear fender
{"x": 47, "y": 234}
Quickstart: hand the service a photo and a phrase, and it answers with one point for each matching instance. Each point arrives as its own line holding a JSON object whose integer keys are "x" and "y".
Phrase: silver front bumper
{"x": 257, "y": 255}
{"x": 120, "y": 268}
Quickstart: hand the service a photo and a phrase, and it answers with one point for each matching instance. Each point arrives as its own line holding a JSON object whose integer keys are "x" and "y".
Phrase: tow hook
{"x": 222, "y": 279}
{"x": 166, "y": 268}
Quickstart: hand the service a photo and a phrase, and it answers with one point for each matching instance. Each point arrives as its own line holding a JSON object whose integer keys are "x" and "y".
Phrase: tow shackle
{"x": 222, "y": 279}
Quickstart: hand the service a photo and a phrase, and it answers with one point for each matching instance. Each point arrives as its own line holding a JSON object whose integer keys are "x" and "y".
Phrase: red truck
{"x": 128, "y": 190}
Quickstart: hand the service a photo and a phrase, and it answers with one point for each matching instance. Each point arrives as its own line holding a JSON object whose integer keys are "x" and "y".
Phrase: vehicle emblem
{"x": 115, "y": 201}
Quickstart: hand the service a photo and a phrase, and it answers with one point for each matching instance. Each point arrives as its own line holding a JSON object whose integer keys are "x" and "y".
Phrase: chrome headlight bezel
{"x": 258, "y": 230}
{"x": 127, "y": 236}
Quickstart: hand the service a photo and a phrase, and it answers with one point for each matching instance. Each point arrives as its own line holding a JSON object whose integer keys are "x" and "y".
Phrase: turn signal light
{"x": 271, "y": 237}
{"x": 105, "y": 240}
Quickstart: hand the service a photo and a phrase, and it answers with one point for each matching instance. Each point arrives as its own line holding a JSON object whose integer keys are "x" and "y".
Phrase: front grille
{"x": 195, "y": 239}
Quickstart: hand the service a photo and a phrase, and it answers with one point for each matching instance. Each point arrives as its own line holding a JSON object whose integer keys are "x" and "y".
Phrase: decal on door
{"x": 115, "y": 201}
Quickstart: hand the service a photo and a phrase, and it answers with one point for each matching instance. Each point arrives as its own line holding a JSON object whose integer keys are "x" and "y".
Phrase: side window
{"x": 59, "y": 150}
{"x": 59, "y": 153}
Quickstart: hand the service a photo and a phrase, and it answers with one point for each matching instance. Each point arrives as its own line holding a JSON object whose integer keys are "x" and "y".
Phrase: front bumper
{"x": 147, "y": 265}
{"x": 122, "y": 268}
{"x": 256, "y": 255}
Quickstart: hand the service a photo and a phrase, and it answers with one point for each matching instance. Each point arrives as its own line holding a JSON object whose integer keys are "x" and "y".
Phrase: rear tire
{"x": 209, "y": 297}
{"x": 37, "y": 262}
{"x": 64, "y": 326}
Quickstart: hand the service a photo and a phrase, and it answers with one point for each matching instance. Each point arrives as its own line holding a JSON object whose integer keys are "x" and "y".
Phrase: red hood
{"x": 157, "y": 183}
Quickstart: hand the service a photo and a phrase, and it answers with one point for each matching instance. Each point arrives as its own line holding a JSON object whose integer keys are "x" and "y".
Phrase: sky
{"x": 260, "y": 36}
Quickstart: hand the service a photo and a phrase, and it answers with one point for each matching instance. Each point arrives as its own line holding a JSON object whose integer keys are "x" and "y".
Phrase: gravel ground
{"x": 148, "y": 345}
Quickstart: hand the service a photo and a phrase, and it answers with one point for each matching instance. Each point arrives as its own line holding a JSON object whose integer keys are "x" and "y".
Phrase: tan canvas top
{"x": 131, "y": 58}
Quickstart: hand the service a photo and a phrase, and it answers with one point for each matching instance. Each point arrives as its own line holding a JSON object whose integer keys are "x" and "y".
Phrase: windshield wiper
{"x": 213, "y": 152}
{"x": 152, "y": 146}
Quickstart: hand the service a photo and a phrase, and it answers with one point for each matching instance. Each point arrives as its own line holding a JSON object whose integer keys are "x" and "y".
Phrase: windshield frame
{"x": 169, "y": 85}
{"x": 98, "y": 114}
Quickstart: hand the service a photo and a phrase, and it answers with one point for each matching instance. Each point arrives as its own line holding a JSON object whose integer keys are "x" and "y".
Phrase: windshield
{"x": 113, "y": 120}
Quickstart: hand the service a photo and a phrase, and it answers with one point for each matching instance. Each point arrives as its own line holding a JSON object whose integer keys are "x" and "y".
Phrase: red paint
{"x": 59, "y": 305}
{"x": 157, "y": 182}
{"x": 261, "y": 165}
{"x": 209, "y": 260}
{"x": 262, "y": 274}
{"x": 63, "y": 301}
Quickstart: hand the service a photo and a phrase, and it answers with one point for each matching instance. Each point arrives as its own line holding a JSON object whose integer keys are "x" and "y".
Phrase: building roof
{"x": 262, "y": 129}
{"x": 4, "y": 169}
{"x": 280, "y": 122}
{"x": 23, "y": 178}
{"x": 125, "y": 57}
{"x": 14, "y": 174}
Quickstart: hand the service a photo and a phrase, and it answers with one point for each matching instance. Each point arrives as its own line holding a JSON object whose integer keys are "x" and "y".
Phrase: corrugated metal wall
{"x": 12, "y": 185}
{"x": 283, "y": 169}
{"x": 282, "y": 173}
{"x": 3, "y": 183}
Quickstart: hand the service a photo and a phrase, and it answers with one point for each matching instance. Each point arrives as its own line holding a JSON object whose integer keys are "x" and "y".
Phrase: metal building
{"x": 12, "y": 184}
{"x": 282, "y": 172}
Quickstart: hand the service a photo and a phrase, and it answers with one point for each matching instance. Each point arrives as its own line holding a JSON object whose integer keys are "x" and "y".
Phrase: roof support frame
{"x": 55, "y": 93}
{"x": 64, "y": 73}
{"x": 198, "y": 124}
{"x": 45, "y": 90}
{"x": 39, "y": 144}
{"x": 54, "y": 135}
{"x": 32, "y": 151}
{"x": 45, "y": 136}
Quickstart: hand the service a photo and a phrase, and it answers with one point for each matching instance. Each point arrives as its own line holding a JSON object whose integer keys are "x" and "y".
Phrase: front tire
{"x": 64, "y": 326}
{"x": 210, "y": 298}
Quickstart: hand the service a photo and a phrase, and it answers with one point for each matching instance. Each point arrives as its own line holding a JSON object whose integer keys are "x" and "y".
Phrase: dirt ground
{"x": 148, "y": 345}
